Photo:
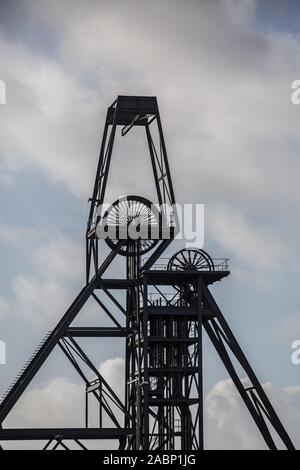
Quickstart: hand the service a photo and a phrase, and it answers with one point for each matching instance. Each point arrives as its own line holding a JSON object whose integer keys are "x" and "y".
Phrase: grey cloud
{"x": 227, "y": 422}
{"x": 223, "y": 85}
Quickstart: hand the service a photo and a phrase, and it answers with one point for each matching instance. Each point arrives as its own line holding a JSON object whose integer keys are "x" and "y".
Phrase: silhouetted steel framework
{"x": 168, "y": 304}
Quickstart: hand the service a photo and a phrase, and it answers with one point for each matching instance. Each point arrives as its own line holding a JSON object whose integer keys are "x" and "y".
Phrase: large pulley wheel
{"x": 191, "y": 260}
{"x": 131, "y": 219}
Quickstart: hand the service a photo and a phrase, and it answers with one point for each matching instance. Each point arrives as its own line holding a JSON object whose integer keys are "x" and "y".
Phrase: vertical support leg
{"x": 200, "y": 365}
{"x": 146, "y": 371}
{"x": 86, "y": 409}
{"x": 254, "y": 396}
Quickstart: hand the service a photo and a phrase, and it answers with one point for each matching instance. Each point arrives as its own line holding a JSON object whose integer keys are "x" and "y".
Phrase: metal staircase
{"x": 28, "y": 362}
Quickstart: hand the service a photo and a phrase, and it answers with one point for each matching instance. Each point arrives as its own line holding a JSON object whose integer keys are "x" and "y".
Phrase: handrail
{"x": 220, "y": 264}
{"x": 25, "y": 366}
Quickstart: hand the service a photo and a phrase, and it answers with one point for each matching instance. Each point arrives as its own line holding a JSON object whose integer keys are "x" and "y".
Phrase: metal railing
{"x": 220, "y": 264}
{"x": 12, "y": 385}
{"x": 157, "y": 299}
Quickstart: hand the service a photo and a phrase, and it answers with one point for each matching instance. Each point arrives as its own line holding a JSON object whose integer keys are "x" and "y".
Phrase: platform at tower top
{"x": 169, "y": 278}
{"x": 160, "y": 273}
{"x": 132, "y": 110}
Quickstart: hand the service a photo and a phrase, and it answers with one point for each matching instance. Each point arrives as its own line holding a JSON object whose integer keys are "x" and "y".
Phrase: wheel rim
{"x": 191, "y": 260}
{"x": 135, "y": 212}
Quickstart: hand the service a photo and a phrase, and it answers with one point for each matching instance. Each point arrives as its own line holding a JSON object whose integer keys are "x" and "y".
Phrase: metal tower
{"x": 167, "y": 305}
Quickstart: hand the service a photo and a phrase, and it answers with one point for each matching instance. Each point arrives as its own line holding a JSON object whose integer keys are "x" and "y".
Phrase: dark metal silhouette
{"x": 131, "y": 212}
{"x": 168, "y": 303}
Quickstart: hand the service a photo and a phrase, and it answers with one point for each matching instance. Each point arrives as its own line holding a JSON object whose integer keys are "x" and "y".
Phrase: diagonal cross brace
{"x": 220, "y": 332}
{"x": 46, "y": 348}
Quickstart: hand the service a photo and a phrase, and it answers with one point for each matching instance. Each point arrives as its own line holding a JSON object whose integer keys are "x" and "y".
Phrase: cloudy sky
{"x": 222, "y": 72}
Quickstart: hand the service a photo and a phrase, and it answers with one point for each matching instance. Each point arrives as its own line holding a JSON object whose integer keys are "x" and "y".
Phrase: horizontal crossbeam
{"x": 63, "y": 433}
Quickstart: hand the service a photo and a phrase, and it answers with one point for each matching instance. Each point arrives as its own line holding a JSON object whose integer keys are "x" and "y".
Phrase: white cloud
{"x": 42, "y": 122}
{"x": 289, "y": 327}
{"x": 54, "y": 404}
{"x": 254, "y": 245}
{"x": 17, "y": 236}
{"x": 229, "y": 425}
{"x": 213, "y": 60}
{"x": 4, "y": 307}
{"x": 224, "y": 89}
{"x": 41, "y": 302}
{"x": 59, "y": 257}
{"x": 44, "y": 290}
{"x": 231, "y": 131}
{"x": 113, "y": 371}
{"x": 61, "y": 403}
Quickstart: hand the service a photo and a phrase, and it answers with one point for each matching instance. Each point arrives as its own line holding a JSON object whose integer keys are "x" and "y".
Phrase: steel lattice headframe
{"x": 166, "y": 308}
